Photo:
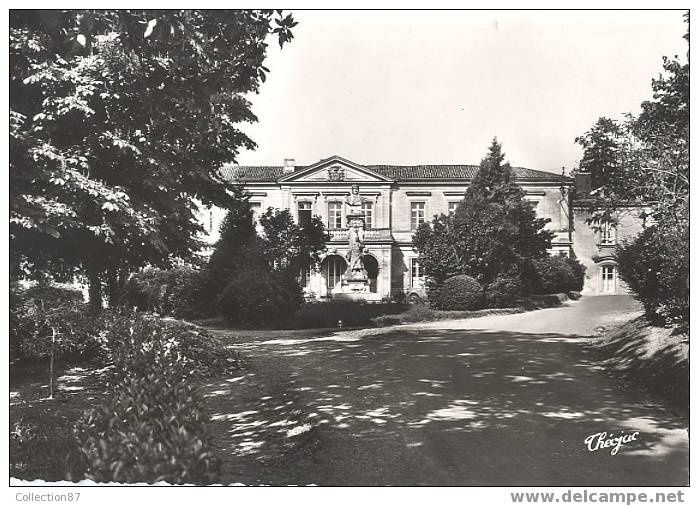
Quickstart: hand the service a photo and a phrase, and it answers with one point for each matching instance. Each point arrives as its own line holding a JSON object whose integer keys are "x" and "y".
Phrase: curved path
{"x": 499, "y": 400}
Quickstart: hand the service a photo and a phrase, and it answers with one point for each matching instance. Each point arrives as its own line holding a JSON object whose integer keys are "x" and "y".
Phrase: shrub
{"x": 578, "y": 274}
{"x": 461, "y": 292}
{"x": 46, "y": 317}
{"x": 558, "y": 274}
{"x": 136, "y": 342}
{"x": 153, "y": 426}
{"x": 43, "y": 448}
{"x": 504, "y": 291}
{"x": 180, "y": 292}
{"x": 656, "y": 268}
{"x": 257, "y": 296}
{"x": 53, "y": 296}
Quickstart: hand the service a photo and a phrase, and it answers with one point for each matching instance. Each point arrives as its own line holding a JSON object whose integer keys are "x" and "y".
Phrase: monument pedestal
{"x": 355, "y": 285}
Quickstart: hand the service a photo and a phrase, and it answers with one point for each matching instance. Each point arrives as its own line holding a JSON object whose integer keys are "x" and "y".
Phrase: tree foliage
{"x": 251, "y": 273}
{"x": 287, "y": 246}
{"x": 655, "y": 265}
{"x": 119, "y": 120}
{"x": 493, "y": 231}
{"x": 644, "y": 158}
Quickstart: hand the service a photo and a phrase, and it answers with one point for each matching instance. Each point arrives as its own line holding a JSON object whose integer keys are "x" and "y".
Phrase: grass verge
{"x": 650, "y": 357}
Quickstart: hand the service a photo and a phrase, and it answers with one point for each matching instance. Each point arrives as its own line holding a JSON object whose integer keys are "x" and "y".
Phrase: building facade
{"x": 396, "y": 199}
{"x": 594, "y": 246}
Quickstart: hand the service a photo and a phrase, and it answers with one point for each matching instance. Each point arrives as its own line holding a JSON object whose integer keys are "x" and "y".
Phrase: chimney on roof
{"x": 289, "y": 165}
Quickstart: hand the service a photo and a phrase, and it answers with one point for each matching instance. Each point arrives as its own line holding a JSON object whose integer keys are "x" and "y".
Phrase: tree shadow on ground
{"x": 438, "y": 407}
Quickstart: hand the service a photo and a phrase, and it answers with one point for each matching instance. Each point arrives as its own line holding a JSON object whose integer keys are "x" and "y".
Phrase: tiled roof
{"x": 251, "y": 173}
{"x": 395, "y": 172}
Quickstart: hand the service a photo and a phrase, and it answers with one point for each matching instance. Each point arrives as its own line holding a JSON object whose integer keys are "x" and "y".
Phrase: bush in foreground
{"x": 461, "y": 293}
{"x": 132, "y": 340}
{"x": 152, "y": 427}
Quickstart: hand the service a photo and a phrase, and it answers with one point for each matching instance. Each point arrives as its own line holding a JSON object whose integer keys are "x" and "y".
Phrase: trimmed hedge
{"x": 460, "y": 292}
{"x": 352, "y": 314}
{"x": 257, "y": 296}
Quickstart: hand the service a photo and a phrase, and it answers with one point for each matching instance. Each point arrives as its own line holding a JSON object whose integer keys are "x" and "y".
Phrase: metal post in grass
{"x": 53, "y": 342}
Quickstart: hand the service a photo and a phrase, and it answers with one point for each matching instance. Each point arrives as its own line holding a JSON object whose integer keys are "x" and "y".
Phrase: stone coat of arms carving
{"x": 336, "y": 174}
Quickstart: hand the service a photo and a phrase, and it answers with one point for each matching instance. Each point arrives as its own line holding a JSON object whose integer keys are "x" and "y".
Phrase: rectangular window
{"x": 535, "y": 207}
{"x": 304, "y": 213}
{"x": 451, "y": 208}
{"x": 417, "y": 214}
{"x": 368, "y": 211}
{"x": 417, "y": 274}
{"x": 607, "y": 234}
{"x": 334, "y": 267}
{"x": 334, "y": 215}
{"x": 608, "y": 279}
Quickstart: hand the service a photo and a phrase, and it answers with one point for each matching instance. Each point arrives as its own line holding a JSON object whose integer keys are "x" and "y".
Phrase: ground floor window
{"x": 417, "y": 274}
{"x": 304, "y": 276}
{"x": 334, "y": 267}
{"x": 609, "y": 279}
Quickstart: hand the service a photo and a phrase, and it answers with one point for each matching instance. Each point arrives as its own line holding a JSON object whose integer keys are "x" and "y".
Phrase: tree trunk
{"x": 112, "y": 287}
{"x": 95, "y": 290}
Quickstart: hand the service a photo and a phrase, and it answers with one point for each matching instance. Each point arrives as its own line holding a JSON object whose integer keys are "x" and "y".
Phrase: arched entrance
{"x": 332, "y": 268}
{"x": 372, "y": 270}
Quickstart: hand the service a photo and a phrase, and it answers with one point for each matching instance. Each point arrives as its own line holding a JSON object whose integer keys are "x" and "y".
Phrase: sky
{"x": 419, "y": 87}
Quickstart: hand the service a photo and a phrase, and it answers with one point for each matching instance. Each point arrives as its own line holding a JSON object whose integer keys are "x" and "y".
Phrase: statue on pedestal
{"x": 355, "y": 235}
{"x": 355, "y": 251}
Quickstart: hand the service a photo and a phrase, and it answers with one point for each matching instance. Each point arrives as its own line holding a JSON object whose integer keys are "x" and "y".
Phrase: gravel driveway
{"x": 498, "y": 400}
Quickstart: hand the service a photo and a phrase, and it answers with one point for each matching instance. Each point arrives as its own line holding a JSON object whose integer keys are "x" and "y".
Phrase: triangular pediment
{"x": 335, "y": 169}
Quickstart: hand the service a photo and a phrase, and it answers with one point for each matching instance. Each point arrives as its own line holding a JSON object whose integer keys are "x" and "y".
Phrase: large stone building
{"x": 397, "y": 199}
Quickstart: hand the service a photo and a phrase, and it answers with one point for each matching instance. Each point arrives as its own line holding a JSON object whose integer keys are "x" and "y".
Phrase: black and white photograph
{"x": 349, "y": 248}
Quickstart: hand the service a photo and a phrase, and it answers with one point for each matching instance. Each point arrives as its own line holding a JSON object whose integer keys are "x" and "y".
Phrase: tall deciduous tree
{"x": 119, "y": 120}
{"x": 645, "y": 158}
{"x": 493, "y": 231}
